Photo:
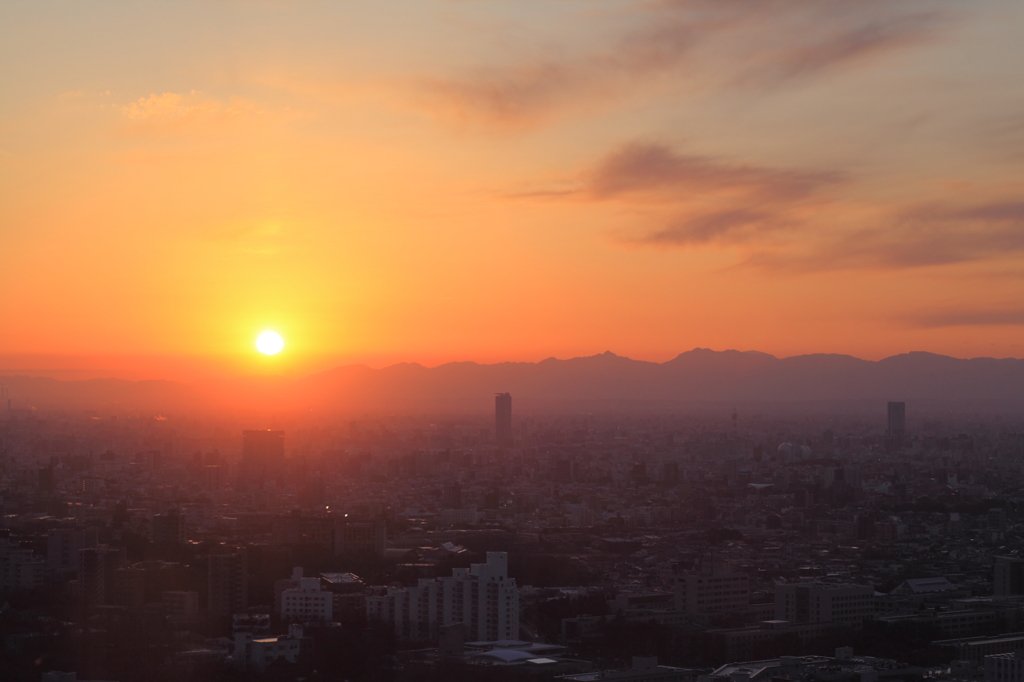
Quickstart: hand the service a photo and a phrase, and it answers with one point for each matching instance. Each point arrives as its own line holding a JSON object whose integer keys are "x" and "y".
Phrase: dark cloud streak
{"x": 711, "y": 226}
{"x": 970, "y": 318}
{"x": 639, "y": 167}
{"x": 702, "y": 199}
{"x": 918, "y": 237}
{"x": 731, "y": 42}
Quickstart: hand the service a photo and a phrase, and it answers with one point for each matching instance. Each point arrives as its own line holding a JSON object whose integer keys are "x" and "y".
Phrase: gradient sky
{"x": 438, "y": 180}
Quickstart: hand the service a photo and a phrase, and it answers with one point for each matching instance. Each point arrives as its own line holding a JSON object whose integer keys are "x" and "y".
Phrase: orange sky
{"x": 506, "y": 180}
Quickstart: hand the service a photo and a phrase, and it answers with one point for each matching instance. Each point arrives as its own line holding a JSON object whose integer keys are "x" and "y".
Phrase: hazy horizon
{"x": 700, "y": 377}
{"x": 186, "y": 369}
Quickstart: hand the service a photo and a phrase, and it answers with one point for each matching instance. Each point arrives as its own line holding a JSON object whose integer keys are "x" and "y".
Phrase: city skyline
{"x": 512, "y": 341}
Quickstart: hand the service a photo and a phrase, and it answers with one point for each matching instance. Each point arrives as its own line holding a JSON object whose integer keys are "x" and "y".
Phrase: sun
{"x": 269, "y": 343}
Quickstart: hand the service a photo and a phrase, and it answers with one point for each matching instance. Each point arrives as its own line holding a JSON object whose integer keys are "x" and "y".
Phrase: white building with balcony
{"x": 482, "y": 598}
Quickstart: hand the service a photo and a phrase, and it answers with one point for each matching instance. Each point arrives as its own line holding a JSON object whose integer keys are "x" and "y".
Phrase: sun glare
{"x": 269, "y": 343}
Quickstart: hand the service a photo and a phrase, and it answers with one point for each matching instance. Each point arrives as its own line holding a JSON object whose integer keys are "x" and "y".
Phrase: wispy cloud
{"x": 735, "y": 224}
{"x": 174, "y": 112}
{"x": 692, "y": 199}
{"x": 657, "y": 168}
{"x": 915, "y": 237}
{"x": 788, "y": 219}
{"x": 970, "y": 318}
{"x": 831, "y": 44}
{"x": 733, "y": 42}
{"x": 177, "y": 106}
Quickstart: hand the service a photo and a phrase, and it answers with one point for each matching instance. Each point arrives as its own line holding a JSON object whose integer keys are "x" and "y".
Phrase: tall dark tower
{"x": 897, "y": 419}
{"x": 227, "y": 583}
{"x": 262, "y": 453}
{"x": 503, "y": 419}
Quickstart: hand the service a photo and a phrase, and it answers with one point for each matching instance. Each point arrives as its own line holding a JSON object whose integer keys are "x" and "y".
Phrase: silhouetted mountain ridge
{"x": 698, "y": 375}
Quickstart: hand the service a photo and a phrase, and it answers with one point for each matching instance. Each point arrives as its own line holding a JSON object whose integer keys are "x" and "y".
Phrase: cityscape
{"x": 580, "y": 546}
{"x": 511, "y": 341}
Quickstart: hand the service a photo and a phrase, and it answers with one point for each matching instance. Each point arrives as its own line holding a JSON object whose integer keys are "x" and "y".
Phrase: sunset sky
{"x": 439, "y": 180}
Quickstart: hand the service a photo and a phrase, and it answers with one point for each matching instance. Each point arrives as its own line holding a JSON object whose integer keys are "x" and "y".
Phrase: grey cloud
{"x": 970, "y": 318}
{"x": 1011, "y": 212}
{"x": 918, "y": 237}
{"x": 738, "y": 41}
{"x": 711, "y": 226}
{"x": 506, "y": 95}
{"x": 852, "y": 42}
{"x": 702, "y": 199}
{"x": 642, "y": 167}
{"x": 514, "y": 94}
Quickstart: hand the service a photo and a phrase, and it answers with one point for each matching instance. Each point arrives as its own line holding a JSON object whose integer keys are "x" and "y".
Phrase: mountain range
{"x": 697, "y": 376}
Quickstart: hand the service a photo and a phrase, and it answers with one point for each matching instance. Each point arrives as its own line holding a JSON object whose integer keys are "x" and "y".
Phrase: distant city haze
{"x": 603, "y": 381}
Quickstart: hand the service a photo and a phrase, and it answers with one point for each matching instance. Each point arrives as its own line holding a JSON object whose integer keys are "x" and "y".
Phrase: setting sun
{"x": 269, "y": 343}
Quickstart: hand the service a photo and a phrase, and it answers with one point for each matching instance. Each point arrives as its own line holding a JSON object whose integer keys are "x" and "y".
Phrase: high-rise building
{"x": 97, "y": 573}
{"x": 297, "y": 528}
{"x": 1004, "y": 667}
{"x": 813, "y": 602}
{"x": 213, "y": 477}
{"x": 46, "y": 480}
{"x": 262, "y": 453}
{"x": 306, "y": 602}
{"x": 483, "y": 598}
{"x": 360, "y": 537}
{"x": 257, "y": 653}
{"x": 1008, "y": 578}
{"x": 180, "y": 603}
{"x": 897, "y": 419}
{"x": 227, "y": 583}
{"x": 169, "y": 529}
{"x": 712, "y": 588}
{"x": 129, "y": 588}
{"x": 503, "y": 419}
{"x": 62, "y": 545}
{"x": 19, "y": 568}
{"x": 452, "y": 496}
{"x": 563, "y": 471}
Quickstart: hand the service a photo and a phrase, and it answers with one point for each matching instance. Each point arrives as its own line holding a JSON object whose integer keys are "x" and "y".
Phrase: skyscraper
{"x": 360, "y": 537}
{"x": 262, "y": 453}
{"x": 169, "y": 529}
{"x": 897, "y": 419}
{"x": 452, "y": 496}
{"x": 227, "y": 583}
{"x": 1008, "y": 578}
{"x": 503, "y": 419}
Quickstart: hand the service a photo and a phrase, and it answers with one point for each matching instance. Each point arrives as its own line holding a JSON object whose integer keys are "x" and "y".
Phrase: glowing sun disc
{"x": 269, "y": 343}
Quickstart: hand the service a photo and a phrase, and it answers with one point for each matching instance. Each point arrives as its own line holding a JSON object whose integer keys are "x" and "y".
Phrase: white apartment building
{"x": 307, "y": 602}
{"x": 483, "y": 598}
{"x": 813, "y": 602}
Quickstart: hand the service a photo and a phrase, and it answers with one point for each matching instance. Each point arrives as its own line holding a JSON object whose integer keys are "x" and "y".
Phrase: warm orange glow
{"x": 733, "y": 177}
{"x": 269, "y": 343}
